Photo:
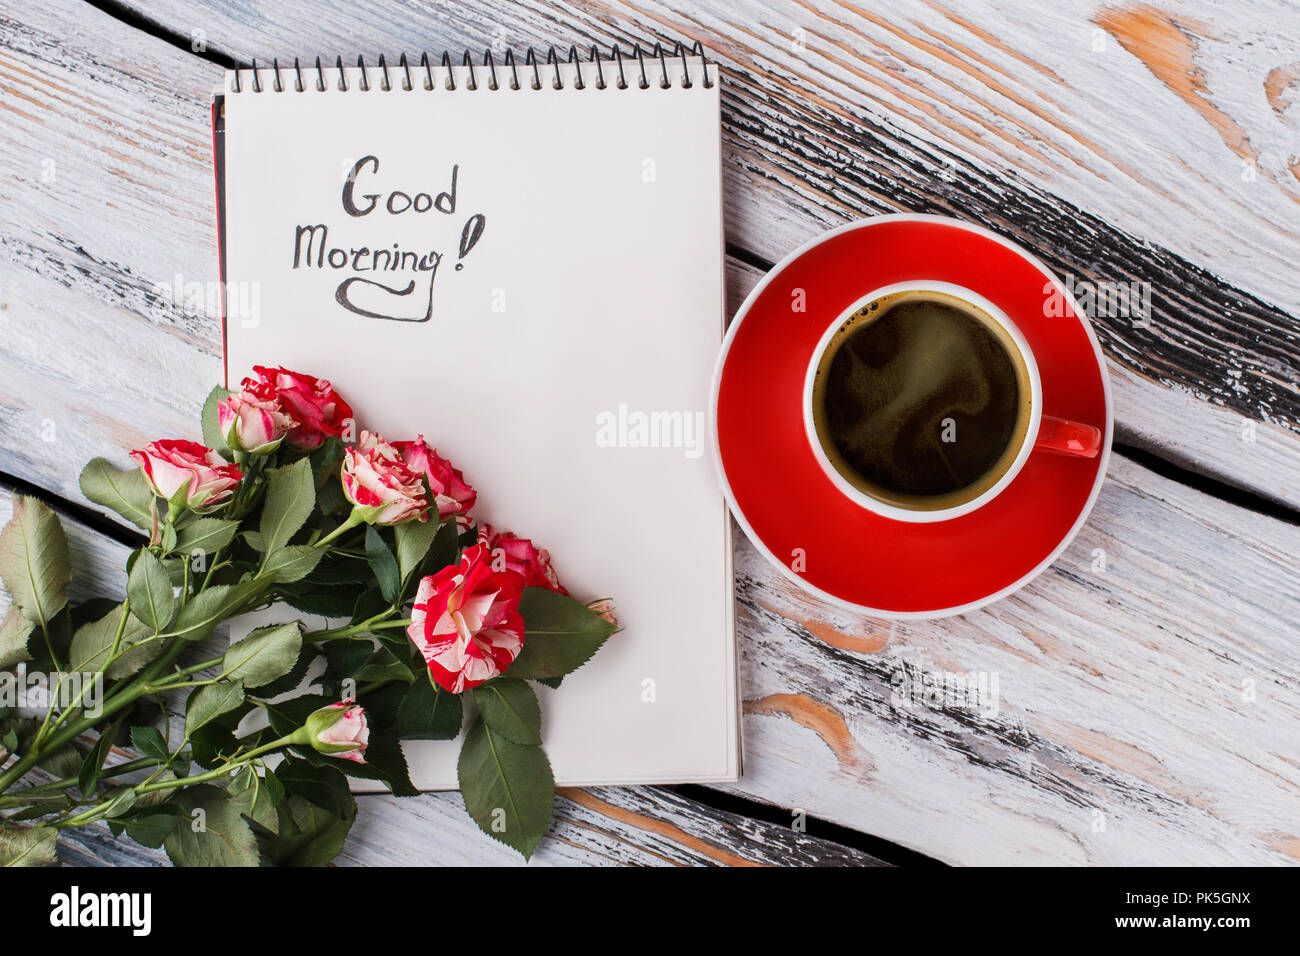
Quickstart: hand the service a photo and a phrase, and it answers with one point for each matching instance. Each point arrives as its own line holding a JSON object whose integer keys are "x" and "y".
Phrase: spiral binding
{"x": 531, "y": 64}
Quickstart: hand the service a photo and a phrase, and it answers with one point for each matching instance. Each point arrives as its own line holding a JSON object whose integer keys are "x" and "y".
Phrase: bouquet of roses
{"x": 242, "y": 758}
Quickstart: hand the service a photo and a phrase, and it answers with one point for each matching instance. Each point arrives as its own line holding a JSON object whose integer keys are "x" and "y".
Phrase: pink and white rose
{"x": 509, "y": 552}
{"x": 605, "y": 608}
{"x": 187, "y": 474}
{"x": 318, "y": 410}
{"x": 339, "y": 730}
{"x": 253, "y": 420}
{"x": 383, "y": 489}
{"x": 447, "y": 485}
{"x": 466, "y": 621}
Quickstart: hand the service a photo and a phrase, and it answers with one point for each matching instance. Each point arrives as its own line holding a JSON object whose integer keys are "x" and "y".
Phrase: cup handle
{"x": 1074, "y": 439}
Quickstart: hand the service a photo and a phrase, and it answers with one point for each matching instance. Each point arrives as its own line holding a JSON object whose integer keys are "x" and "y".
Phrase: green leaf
{"x": 427, "y": 712}
{"x": 211, "y": 701}
{"x": 216, "y": 739}
{"x": 210, "y": 606}
{"x": 273, "y": 785}
{"x": 384, "y": 666}
{"x": 120, "y": 802}
{"x": 330, "y": 497}
{"x": 213, "y": 832}
{"x": 52, "y": 655}
{"x": 13, "y": 638}
{"x": 264, "y": 655}
{"x": 207, "y": 535}
{"x": 34, "y": 560}
{"x": 509, "y": 707}
{"x": 385, "y": 669}
{"x": 313, "y": 597}
{"x": 560, "y": 635}
{"x": 85, "y": 611}
{"x": 92, "y": 642}
{"x": 27, "y": 846}
{"x": 315, "y": 815}
{"x": 123, "y": 491}
{"x": 508, "y": 787}
{"x": 292, "y": 563}
{"x": 150, "y": 743}
{"x": 290, "y": 497}
{"x": 384, "y": 762}
{"x": 446, "y": 546}
{"x": 345, "y": 570}
{"x": 347, "y": 657}
{"x": 325, "y": 459}
{"x": 369, "y": 603}
{"x": 292, "y": 680}
{"x": 212, "y": 436}
{"x": 64, "y": 762}
{"x": 325, "y": 786}
{"x": 150, "y": 591}
{"x": 34, "y": 812}
{"x": 383, "y": 563}
{"x": 413, "y": 541}
{"x": 307, "y": 834}
{"x": 93, "y": 765}
{"x": 255, "y": 798}
{"x": 152, "y": 828}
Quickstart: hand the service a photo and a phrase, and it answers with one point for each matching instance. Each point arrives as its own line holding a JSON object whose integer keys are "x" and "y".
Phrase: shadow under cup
{"x": 921, "y": 401}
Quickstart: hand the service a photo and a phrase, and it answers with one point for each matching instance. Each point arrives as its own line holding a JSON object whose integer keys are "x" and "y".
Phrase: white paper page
{"x": 594, "y": 289}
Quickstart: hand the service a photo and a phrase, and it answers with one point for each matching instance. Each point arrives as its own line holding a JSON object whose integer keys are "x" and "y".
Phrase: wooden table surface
{"x": 1149, "y": 701}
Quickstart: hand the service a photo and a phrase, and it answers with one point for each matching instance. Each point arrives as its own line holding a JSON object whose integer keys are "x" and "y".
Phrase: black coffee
{"x": 921, "y": 400}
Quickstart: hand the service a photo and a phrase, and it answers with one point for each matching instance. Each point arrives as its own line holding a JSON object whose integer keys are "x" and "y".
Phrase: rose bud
{"x": 447, "y": 485}
{"x": 252, "y": 420}
{"x": 379, "y": 485}
{"x": 312, "y": 402}
{"x": 187, "y": 474}
{"x": 605, "y": 608}
{"x": 339, "y": 730}
{"x": 466, "y": 621}
{"x": 510, "y": 552}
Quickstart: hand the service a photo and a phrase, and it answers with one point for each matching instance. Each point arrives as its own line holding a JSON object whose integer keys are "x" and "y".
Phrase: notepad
{"x": 532, "y": 278}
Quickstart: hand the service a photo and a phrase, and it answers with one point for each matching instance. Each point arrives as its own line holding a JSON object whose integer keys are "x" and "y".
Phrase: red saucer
{"x": 796, "y": 516}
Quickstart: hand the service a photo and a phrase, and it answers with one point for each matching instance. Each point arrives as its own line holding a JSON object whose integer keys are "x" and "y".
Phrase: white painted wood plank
{"x": 603, "y": 826}
{"x": 1064, "y": 95}
{"x": 1157, "y": 698}
{"x": 125, "y": 118}
{"x": 118, "y": 158}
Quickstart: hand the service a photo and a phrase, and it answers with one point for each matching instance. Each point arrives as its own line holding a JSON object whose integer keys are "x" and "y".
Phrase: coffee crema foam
{"x": 921, "y": 400}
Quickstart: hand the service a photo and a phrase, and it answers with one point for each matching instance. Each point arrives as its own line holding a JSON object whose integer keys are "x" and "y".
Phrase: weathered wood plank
{"x": 598, "y": 826}
{"x": 1038, "y": 124}
{"x": 99, "y": 137}
{"x": 1157, "y": 698}
{"x": 641, "y": 826}
{"x": 1109, "y": 106}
